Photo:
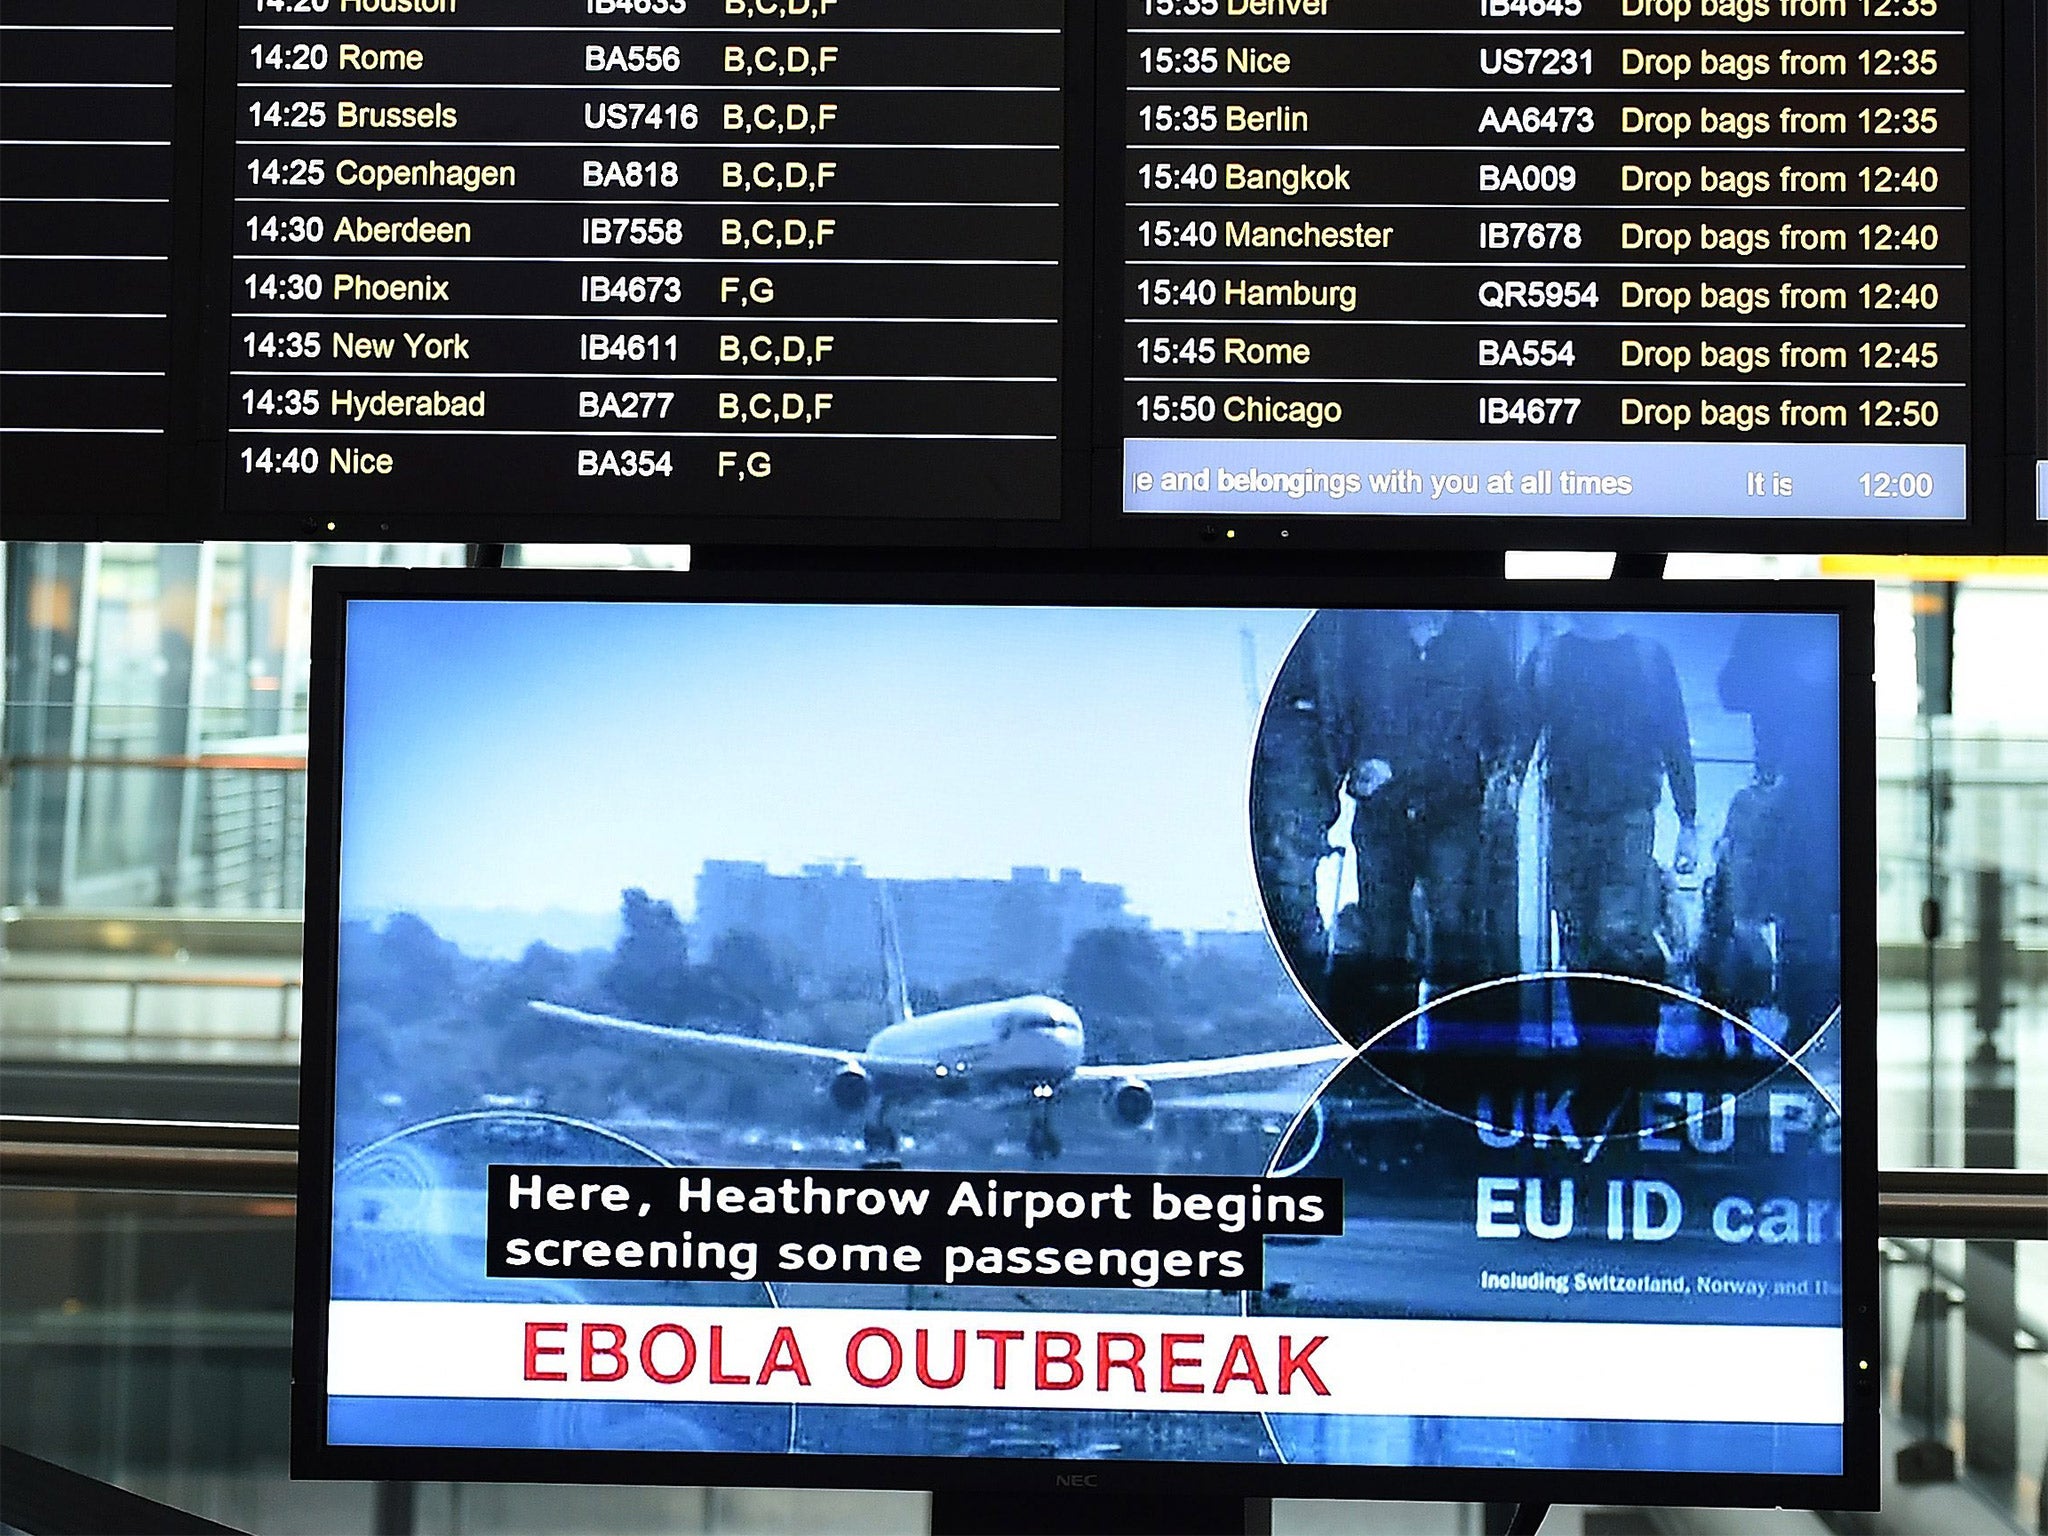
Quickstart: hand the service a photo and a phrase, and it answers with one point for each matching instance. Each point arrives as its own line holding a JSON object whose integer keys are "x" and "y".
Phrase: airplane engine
{"x": 1130, "y": 1103}
{"x": 851, "y": 1089}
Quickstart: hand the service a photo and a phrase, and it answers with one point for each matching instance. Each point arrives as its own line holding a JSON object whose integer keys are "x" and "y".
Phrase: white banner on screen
{"x": 1159, "y": 1362}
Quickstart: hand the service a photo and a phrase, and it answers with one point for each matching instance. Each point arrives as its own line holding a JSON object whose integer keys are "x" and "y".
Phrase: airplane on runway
{"x": 1025, "y": 1049}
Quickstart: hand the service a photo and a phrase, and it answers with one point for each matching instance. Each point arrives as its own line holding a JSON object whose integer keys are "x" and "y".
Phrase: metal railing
{"x": 263, "y": 762}
{"x": 44, "y": 1499}
{"x": 226, "y": 831}
{"x": 1984, "y": 1204}
{"x": 286, "y": 987}
{"x": 183, "y": 1156}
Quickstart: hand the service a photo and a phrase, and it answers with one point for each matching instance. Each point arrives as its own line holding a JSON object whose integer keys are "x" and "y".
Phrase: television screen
{"x": 869, "y": 1038}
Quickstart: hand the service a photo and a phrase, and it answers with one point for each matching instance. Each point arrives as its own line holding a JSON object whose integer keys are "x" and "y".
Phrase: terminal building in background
{"x": 952, "y": 932}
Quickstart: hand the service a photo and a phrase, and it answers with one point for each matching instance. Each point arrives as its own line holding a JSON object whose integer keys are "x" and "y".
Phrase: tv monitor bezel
{"x": 2026, "y": 260}
{"x": 314, "y": 1456}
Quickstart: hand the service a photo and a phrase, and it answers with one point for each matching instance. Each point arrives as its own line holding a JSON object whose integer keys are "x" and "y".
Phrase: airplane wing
{"x": 743, "y": 1045}
{"x": 1326, "y": 1056}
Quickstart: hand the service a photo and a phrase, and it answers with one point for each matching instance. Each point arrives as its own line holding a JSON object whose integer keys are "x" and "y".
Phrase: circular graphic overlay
{"x": 1444, "y": 905}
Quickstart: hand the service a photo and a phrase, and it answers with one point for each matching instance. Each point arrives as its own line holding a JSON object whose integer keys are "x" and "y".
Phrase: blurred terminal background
{"x": 152, "y": 835}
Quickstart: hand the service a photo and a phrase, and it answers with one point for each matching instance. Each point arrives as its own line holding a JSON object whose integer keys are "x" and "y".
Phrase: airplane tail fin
{"x": 895, "y": 982}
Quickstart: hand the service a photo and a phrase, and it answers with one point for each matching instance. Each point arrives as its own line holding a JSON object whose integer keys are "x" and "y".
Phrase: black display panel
{"x": 2032, "y": 262}
{"x": 86, "y": 115}
{"x": 637, "y": 263}
{"x": 1606, "y": 273}
{"x": 1557, "y": 263}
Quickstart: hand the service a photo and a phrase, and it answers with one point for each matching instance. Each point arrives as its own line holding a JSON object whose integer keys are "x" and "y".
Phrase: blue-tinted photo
{"x": 1433, "y": 903}
{"x": 1571, "y": 883}
{"x": 1442, "y": 799}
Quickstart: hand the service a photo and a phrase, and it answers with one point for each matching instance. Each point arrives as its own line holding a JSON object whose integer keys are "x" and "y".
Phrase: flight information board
{"x": 86, "y": 112}
{"x": 723, "y": 258}
{"x": 1437, "y": 273}
{"x": 1547, "y": 258}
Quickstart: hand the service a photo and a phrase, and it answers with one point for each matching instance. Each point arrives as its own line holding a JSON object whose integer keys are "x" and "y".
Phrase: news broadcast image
{"x": 1348, "y": 1037}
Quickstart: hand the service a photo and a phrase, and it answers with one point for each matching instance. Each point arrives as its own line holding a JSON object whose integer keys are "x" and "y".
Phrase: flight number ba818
{"x": 632, "y": 173}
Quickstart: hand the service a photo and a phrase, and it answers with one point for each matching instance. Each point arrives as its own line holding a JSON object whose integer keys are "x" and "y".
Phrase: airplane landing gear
{"x": 1042, "y": 1141}
{"x": 879, "y": 1140}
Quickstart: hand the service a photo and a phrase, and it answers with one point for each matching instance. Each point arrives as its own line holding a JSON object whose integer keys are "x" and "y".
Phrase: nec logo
{"x": 1076, "y": 1480}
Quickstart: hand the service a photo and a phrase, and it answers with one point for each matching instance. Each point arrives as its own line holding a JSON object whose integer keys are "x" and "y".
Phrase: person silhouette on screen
{"x": 1773, "y": 918}
{"x": 1608, "y": 718}
{"x": 1294, "y": 798}
{"x": 1463, "y": 721}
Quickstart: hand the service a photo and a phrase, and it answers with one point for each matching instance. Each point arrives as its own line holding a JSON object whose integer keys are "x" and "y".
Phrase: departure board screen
{"x": 2039, "y": 129}
{"x": 1547, "y": 258}
{"x": 86, "y": 118}
{"x": 1431, "y": 273}
{"x": 725, "y": 258}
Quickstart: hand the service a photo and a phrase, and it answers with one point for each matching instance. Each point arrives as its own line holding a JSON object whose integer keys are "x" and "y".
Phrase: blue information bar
{"x": 1302, "y": 477}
